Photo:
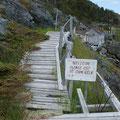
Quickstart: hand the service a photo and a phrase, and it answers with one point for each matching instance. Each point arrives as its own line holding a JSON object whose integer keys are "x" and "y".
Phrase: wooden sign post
{"x": 82, "y": 70}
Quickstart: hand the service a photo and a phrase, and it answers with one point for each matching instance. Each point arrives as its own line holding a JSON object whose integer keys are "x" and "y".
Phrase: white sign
{"x": 80, "y": 69}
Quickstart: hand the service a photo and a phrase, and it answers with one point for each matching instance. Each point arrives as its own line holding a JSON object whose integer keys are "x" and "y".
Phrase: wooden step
{"x": 43, "y": 52}
{"x": 49, "y": 63}
{"x": 41, "y": 85}
{"x": 51, "y": 100}
{"x": 39, "y": 67}
{"x": 44, "y": 76}
{"x": 42, "y": 55}
{"x": 47, "y": 106}
{"x": 43, "y": 71}
{"x": 42, "y": 58}
{"x": 44, "y": 81}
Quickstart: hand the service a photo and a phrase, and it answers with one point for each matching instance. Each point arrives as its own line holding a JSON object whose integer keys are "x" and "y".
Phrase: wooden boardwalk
{"x": 44, "y": 88}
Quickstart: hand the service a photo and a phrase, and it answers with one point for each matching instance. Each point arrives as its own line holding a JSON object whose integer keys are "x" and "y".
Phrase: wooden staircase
{"x": 44, "y": 88}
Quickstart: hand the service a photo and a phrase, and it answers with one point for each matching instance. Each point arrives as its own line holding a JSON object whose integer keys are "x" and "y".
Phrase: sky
{"x": 109, "y": 4}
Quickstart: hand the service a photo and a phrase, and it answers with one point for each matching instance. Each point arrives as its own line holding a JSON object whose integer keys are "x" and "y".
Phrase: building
{"x": 95, "y": 37}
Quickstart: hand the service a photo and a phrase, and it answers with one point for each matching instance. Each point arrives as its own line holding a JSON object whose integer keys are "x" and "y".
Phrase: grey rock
{"x": 17, "y": 12}
{"x": 3, "y": 24}
{"x": 114, "y": 49}
{"x": 108, "y": 36}
{"x": 41, "y": 16}
{"x": 103, "y": 64}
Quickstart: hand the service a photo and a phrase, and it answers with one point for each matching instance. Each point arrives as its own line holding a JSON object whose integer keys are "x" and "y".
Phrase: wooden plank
{"x": 99, "y": 116}
{"x": 41, "y": 62}
{"x": 42, "y": 58}
{"x": 72, "y": 118}
{"x": 40, "y": 67}
{"x": 70, "y": 89}
{"x": 41, "y": 85}
{"x": 48, "y": 94}
{"x": 53, "y": 112}
{"x": 60, "y": 85}
{"x": 51, "y": 99}
{"x": 47, "y": 106}
{"x": 82, "y": 101}
{"x": 50, "y": 90}
{"x": 42, "y": 52}
{"x": 44, "y": 76}
{"x": 42, "y": 55}
{"x": 44, "y": 71}
{"x": 44, "y": 81}
{"x": 110, "y": 95}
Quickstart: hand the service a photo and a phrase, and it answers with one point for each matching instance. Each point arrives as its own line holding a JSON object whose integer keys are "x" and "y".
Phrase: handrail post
{"x": 60, "y": 42}
{"x": 71, "y": 25}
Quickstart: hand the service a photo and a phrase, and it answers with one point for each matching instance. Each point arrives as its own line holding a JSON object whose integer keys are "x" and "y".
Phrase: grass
{"x": 12, "y": 78}
{"x": 117, "y": 37}
{"x": 45, "y": 30}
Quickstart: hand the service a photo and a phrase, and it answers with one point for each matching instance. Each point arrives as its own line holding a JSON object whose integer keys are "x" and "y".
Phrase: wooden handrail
{"x": 60, "y": 85}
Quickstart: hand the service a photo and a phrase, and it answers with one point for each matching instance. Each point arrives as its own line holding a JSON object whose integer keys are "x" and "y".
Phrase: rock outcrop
{"x": 41, "y": 16}
{"x": 14, "y": 10}
{"x": 3, "y": 24}
{"x": 114, "y": 49}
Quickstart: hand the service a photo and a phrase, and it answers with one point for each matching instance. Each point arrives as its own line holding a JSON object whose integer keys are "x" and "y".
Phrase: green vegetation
{"x": 117, "y": 37}
{"x": 14, "y": 45}
{"x": 95, "y": 92}
{"x": 45, "y": 30}
{"x": 87, "y": 11}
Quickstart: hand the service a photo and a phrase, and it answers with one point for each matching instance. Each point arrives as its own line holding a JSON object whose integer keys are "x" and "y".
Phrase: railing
{"x": 114, "y": 102}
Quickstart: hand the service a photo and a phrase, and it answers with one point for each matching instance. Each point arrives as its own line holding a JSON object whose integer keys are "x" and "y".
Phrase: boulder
{"x": 3, "y": 24}
{"x": 114, "y": 49}
{"x": 18, "y": 12}
{"x": 40, "y": 15}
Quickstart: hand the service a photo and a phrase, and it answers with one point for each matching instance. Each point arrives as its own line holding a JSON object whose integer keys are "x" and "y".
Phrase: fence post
{"x": 71, "y": 25}
{"x": 60, "y": 42}
{"x": 85, "y": 94}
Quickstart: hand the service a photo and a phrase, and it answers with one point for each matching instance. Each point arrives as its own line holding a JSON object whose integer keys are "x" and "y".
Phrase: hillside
{"x": 87, "y": 12}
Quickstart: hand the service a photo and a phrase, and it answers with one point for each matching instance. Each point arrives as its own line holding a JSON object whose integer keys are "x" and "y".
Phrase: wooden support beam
{"x": 70, "y": 89}
{"x": 82, "y": 101}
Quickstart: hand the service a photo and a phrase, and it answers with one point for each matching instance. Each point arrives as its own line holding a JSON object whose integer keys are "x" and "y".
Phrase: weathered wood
{"x": 43, "y": 71}
{"x": 82, "y": 101}
{"x": 42, "y": 55}
{"x": 44, "y": 76}
{"x": 48, "y": 106}
{"x": 44, "y": 81}
{"x": 46, "y": 87}
{"x": 85, "y": 94}
{"x": 70, "y": 89}
{"x": 42, "y": 58}
{"x": 91, "y": 116}
{"x": 60, "y": 42}
{"x": 41, "y": 85}
{"x": 60, "y": 85}
{"x": 38, "y": 67}
{"x": 71, "y": 25}
{"x": 42, "y": 63}
{"x": 110, "y": 95}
